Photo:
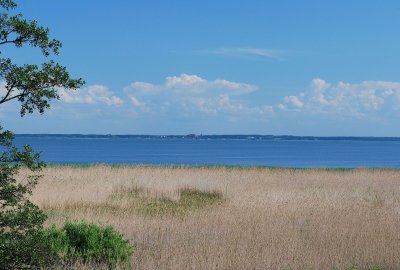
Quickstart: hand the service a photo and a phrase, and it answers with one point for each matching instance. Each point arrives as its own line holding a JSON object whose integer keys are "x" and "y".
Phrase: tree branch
{"x": 13, "y": 97}
{"x": 9, "y": 90}
{"x": 18, "y": 39}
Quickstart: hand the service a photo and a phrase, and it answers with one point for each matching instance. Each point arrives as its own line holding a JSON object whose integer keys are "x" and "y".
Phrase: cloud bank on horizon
{"x": 183, "y": 94}
{"x": 192, "y": 94}
{"x": 362, "y": 99}
{"x": 187, "y": 99}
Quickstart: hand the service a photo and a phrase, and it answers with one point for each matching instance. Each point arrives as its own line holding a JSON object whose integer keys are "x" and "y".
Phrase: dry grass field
{"x": 235, "y": 218}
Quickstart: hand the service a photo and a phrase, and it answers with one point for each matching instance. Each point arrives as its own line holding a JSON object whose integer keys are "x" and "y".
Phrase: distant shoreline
{"x": 215, "y": 137}
{"x": 228, "y": 167}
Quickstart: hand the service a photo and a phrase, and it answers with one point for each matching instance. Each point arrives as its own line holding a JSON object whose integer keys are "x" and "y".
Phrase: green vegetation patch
{"x": 189, "y": 199}
{"x": 136, "y": 200}
{"x": 366, "y": 268}
{"x": 87, "y": 243}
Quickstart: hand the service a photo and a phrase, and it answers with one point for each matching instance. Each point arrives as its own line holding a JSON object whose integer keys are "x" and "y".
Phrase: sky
{"x": 322, "y": 68}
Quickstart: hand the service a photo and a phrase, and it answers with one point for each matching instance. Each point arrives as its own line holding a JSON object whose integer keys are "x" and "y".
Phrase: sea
{"x": 243, "y": 150}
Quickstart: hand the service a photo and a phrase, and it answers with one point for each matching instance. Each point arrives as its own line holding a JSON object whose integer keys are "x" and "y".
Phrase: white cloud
{"x": 319, "y": 85}
{"x": 138, "y": 104}
{"x": 194, "y": 93}
{"x": 249, "y": 53}
{"x": 294, "y": 101}
{"x": 192, "y": 84}
{"x": 357, "y": 99}
{"x": 91, "y": 95}
{"x": 183, "y": 80}
{"x": 142, "y": 86}
{"x": 224, "y": 103}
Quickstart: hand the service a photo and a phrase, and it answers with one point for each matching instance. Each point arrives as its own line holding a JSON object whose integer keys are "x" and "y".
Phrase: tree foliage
{"x": 20, "y": 219}
{"x": 32, "y": 86}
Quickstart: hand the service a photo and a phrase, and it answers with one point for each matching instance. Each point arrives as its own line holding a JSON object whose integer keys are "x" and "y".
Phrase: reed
{"x": 244, "y": 218}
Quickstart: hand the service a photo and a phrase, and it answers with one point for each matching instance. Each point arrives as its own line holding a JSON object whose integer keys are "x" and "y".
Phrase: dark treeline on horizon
{"x": 213, "y": 137}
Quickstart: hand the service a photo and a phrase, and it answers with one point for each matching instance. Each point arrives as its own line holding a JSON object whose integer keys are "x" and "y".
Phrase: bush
{"x": 88, "y": 243}
{"x": 20, "y": 219}
{"x": 27, "y": 252}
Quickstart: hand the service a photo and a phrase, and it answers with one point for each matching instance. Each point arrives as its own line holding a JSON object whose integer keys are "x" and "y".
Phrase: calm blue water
{"x": 276, "y": 151}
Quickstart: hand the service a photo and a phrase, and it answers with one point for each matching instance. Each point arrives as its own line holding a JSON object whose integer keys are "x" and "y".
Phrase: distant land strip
{"x": 213, "y": 137}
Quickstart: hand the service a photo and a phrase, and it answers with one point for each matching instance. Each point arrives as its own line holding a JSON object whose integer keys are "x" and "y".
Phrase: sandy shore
{"x": 262, "y": 218}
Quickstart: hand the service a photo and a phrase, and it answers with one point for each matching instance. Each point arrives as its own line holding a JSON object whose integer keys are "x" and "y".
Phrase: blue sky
{"x": 324, "y": 68}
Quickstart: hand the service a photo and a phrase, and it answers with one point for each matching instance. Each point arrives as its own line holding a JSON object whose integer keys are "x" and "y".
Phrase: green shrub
{"x": 20, "y": 219}
{"x": 88, "y": 243}
{"x": 27, "y": 252}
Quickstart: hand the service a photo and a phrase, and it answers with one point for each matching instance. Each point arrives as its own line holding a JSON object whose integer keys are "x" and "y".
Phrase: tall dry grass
{"x": 268, "y": 219}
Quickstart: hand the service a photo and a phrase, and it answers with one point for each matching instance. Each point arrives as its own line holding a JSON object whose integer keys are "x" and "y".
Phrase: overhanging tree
{"x": 32, "y": 87}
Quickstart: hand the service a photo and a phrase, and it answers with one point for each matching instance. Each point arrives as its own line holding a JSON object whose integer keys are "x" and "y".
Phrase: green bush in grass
{"x": 88, "y": 243}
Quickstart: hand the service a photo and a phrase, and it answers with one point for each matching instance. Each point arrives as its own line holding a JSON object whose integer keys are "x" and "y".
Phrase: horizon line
{"x": 202, "y": 135}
